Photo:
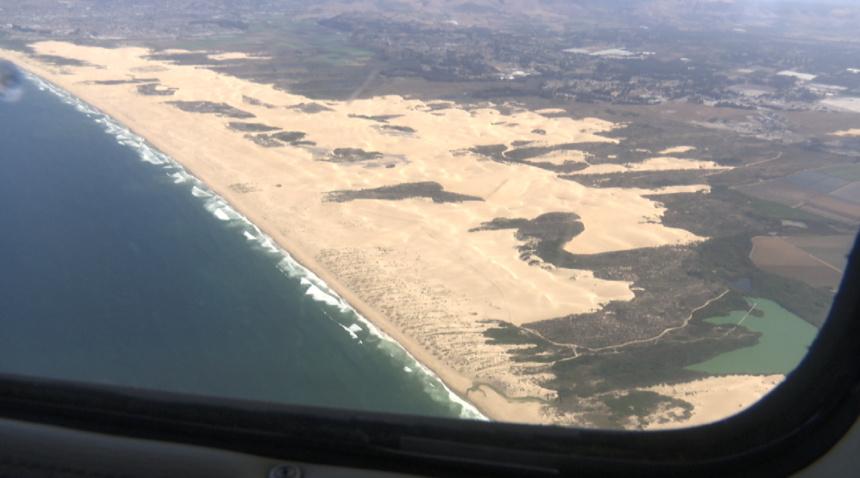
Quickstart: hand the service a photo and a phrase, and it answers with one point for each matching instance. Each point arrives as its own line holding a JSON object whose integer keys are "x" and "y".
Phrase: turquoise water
{"x": 784, "y": 342}
{"x": 118, "y": 267}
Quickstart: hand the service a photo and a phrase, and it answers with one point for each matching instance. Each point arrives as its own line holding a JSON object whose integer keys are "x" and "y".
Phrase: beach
{"x": 416, "y": 267}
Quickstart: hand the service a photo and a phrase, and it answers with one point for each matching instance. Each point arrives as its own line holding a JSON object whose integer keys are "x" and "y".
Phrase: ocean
{"x": 118, "y": 267}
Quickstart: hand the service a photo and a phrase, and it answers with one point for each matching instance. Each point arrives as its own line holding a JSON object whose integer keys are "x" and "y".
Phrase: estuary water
{"x": 784, "y": 342}
{"x": 120, "y": 268}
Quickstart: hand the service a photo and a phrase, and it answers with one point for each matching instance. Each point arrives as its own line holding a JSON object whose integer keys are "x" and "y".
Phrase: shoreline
{"x": 414, "y": 268}
{"x": 455, "y": 382}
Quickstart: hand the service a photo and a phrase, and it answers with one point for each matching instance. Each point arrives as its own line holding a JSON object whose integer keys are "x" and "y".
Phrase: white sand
{"x": 677, "y": 149}
{"x": 549, "y": 111}
{"x": 713, "y": 398}
{"x": 660, "y": 163}
{"x": 410, "y": 266}
{"x": 235, "y": 56}
{"x": 559, "y": 157}
{"x": 847, "y": 132}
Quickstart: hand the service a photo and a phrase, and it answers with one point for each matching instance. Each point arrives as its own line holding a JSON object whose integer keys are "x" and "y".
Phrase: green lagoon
{"x": 784, "y": 342}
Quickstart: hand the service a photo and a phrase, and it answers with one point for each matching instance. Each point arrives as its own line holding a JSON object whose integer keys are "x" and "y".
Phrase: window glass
{"x": 618, "y": 215}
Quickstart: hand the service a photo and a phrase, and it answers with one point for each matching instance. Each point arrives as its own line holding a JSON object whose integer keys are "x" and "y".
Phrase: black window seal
{"x": 787, "y": 430}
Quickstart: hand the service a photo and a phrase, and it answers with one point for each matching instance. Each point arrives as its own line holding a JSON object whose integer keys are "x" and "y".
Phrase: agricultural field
{"x": 773, "y": 254}
{"x": 817, "y": 192}
{"x": 850, "y": 172}
{"x": 830, "y": 249}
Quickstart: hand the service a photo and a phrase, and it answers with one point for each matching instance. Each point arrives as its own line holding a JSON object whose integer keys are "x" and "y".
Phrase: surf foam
{"x": 219, "y": 207}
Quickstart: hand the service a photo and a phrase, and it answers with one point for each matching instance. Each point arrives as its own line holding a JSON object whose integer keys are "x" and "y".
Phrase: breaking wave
{"x": 353, "y": 323}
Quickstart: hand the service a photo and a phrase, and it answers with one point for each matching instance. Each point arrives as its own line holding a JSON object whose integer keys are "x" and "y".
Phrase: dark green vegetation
{"x": 671, "y": 277}
{"x": 643, "y": 365}
{"x": 678, "y": 279}
{"x": 192, "y": 58}
{"x": 152, "y": 89}
{"x": 402, "y": 129}
{"x": 251, "y": 127}
{"x": 637, "y": 365}
{"x": 641, "y": 404}
{"x": 725, "y": 212}
{"x": 310, "y": 108}
{"x": 544, "y": 235}
{"x": 209, "y": 107}
{"x": 731, "y": 301}
{"x": 60, "y": 60}
{"x": 276, "y": 140}
{"x": 427, "y": 189}
{"x": 639, "y": 179}
{"x": 126, "y": 82}
{"x": 501, "y": 223}
{"x": 752, "y": 159}
{"x": 601, "y": 374}
{"x": 289, "y": 136}
{"x": 727, "y": 258}
{"x": 384, "y": 119}
{"x": 500, "y": 153}
{"x": 352, "y": 155}
{"x": 732, "y": 219}
{"x": 256, "y": 102}
{"x": 598, "y": 152}
{"x": 378, "y": 118}
{"x": 650, "y": 339}
{"x": 541, "y": 350}
{"x": 724, "y": 148}
{"x": 264, "y": 140}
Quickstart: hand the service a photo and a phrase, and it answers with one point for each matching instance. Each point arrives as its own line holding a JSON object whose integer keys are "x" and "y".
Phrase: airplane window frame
{"x": 785, "y": 431}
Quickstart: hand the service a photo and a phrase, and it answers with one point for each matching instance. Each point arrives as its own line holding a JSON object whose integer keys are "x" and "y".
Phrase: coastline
{"x": 450, "y": 378}
{"x": 493, "y": 406}
{"x": 411, "y": 267}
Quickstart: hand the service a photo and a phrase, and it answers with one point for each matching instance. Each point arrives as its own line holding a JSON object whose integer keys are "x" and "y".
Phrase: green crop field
{"x": 850, "y": 172}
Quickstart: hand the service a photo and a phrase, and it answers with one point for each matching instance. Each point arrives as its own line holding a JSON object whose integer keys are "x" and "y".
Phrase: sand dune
{"x": 848, "y": 132}
{"x": 409, "y": 265}
{"x": 677, "y": 149}
{"x": 234, "y": 56}
{"x": 560, "y": 157}
{"x": 660, "y": 163}
{"x": 713, "y": 398}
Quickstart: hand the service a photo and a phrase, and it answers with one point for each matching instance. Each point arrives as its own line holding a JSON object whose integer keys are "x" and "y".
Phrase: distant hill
{"x": 679, "y": 13}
